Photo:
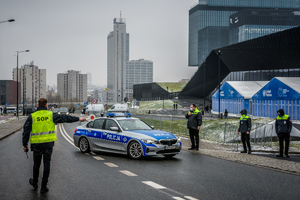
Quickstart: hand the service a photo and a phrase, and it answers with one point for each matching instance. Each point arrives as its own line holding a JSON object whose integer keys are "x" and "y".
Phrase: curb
{"x": 1, "y": 138}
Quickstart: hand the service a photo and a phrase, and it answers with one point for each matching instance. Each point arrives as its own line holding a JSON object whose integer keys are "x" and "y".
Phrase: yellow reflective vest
{"x": 43, "y": 128}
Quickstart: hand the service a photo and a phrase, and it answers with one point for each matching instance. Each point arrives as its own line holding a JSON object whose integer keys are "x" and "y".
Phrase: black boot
{"x": 44, "y": 189}
{"x": 34, "y": 185}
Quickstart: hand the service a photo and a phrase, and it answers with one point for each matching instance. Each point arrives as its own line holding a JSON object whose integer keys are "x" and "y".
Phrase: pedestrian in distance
{"x": 283, "y": 128}
{"x": 176, "y": 105}
{"x": 40, "y": 128}
{"x": 244, "y": 129}
{"x": 226, "y": 114}
{"x": 193, "y": 124}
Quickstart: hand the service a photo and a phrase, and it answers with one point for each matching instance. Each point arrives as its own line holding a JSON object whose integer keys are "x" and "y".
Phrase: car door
{"x": 95, "y": 133}
{"x": 111, "y": 139}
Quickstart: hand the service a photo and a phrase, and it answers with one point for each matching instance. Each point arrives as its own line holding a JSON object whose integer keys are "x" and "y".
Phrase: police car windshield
{"x": 133, "y": 124}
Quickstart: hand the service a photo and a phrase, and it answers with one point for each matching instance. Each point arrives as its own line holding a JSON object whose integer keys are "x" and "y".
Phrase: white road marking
{"x": 63, "y": 134}
{"x": 111, "y": 165}
{"x": 178, "y": 198}
{"x": 154, "y": 185}
{"x": 128, "y": 173}
{"x": 98, "y": 158}
{"x": 66, "y": 132}
{"x": 93, "y": 153}
{"x": 87, "y": 154}
{"x": 190, "y": 198}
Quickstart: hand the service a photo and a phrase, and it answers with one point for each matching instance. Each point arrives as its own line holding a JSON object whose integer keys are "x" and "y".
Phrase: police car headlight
{"x": 67, "y": 113}
{"x": 178, "y": 139}
{"x": 59, "y": 113}
{"x": 149, "y": 141}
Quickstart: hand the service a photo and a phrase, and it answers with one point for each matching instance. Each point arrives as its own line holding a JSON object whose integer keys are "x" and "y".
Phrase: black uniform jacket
{"x": 245, "y": 125}
{"x": 194, "y": 120}
{"x": 283, "y": 126}
{"x": 56, "y": 119}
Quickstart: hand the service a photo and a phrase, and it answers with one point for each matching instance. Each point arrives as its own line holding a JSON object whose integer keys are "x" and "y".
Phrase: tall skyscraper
{"x": 72, "y": 86}
{"x": 33, "y": 83}
{"x": 211, "y": 22}
{"x": 117, "y": 56}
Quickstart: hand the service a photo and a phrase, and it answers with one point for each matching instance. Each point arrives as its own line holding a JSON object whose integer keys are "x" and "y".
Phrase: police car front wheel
{"x": 84, "y": 145}
{"x": 135, "y": 150}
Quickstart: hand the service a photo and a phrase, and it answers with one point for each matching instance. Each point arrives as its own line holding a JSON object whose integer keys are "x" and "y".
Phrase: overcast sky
{"x": 72, "y": 34}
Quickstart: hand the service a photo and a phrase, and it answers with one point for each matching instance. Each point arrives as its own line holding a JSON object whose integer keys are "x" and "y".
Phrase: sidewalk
{"x": 217, "y": 150}
{"x": 255, "y": 159}
{"x": 10, "y": 124}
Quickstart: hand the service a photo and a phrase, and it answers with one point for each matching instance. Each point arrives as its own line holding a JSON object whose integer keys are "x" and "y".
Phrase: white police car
{"x": 120, "y": 133}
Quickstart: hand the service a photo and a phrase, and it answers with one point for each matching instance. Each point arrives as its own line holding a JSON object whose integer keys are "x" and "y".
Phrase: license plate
{"x": 170, "y": 147}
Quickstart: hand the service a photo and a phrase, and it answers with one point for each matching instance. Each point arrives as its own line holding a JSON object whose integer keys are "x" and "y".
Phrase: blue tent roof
{"x": 278, "y": 89}
{"x": 227, "y": 92}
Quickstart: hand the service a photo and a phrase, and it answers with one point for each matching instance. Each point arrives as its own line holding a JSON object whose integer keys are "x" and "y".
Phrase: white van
{"x": 96, "y": 109}
{"x": 119, "y": 108}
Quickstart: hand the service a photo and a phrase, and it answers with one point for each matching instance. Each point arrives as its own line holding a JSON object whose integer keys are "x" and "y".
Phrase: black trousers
{"x": 194, "y": 135}
{"x": 37, "y": 158}
{"x": 246, "y": 139}
{"x": 282, "y": 137}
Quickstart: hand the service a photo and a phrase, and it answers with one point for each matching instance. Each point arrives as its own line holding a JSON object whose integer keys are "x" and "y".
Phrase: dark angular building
{"x": 274, "y": 55}
{"x": 8, "y": 92}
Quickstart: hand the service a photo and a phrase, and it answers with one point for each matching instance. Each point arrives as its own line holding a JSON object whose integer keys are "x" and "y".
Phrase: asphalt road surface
{"x": 75, "y": 175}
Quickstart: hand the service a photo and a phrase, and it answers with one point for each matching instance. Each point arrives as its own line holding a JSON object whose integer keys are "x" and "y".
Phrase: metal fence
{"x": 262, "y": 135}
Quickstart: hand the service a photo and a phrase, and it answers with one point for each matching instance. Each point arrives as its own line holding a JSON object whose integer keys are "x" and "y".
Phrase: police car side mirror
{"x": 114, "y": 128}
{"x": 152, "y": 127}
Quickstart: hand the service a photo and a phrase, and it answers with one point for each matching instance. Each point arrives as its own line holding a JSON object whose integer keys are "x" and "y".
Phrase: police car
{"x": 120, "y": 133}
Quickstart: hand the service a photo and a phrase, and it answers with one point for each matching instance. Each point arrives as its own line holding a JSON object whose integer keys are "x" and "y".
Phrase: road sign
{"x": 94, "y": 100}
{"x": 106, "y": 89}
{"x": 85, "y": 103}
{"x": 78, "y": 105}
{"x": 6, "y": 104}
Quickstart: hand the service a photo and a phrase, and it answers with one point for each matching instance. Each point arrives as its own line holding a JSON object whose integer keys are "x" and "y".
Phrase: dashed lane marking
{"x": 111, "y": 165}
{"x": 87, "y": 154}
{"x": 178, "y": 198}
{"x": 128, "y": 173}
{"x": 190, "y": 198}
{"x": 98, "y": 158}
{"x": 154, "y": 185}
{"x": 93, "y": 153}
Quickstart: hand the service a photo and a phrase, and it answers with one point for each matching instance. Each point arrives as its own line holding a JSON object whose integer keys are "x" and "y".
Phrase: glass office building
{"x": 253, "y": 23}
{"x": 208, "y": 16}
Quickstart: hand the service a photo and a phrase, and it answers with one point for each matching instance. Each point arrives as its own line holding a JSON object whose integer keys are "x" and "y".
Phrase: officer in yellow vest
{"x": 194, "y": 122}
{"x": 40, "y": 128}
{"x": 283, "y": 128}
{"x": 244, "y": 129}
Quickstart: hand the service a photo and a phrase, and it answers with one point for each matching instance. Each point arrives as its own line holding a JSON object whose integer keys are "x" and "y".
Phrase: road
{"x": 108, "y": 176}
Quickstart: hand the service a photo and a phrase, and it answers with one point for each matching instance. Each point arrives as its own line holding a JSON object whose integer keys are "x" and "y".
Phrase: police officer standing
{"x": 245, "y": 128}
{"x": 40, "y": 128}
{"x": 283, "y": 128}
{"x": 193, "y": 124}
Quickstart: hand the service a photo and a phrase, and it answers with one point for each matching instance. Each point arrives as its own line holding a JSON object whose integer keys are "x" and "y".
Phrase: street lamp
{"x": 10, "y": 20}
{"x": 219, "y": 53}
{"x": 163, "y": 97}
{"x": 18, "y": 80}
{"x": 204, "y": 63}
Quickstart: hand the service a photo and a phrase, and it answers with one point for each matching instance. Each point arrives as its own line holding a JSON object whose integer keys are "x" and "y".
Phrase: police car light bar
{"x": 118, "y": 115}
